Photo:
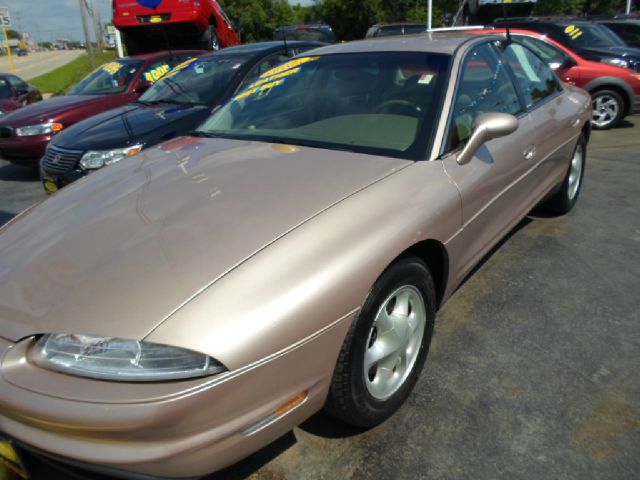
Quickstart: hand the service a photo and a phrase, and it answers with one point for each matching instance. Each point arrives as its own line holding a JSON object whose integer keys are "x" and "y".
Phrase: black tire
{"x": 209, "y": 39}
{"x": 605, "y": 118}
{"x": 350, "y": 398}
{"x": 564, "y": 199}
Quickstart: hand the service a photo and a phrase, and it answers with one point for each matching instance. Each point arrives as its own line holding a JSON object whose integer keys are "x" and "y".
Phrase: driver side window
{"x": 484, "y": 87}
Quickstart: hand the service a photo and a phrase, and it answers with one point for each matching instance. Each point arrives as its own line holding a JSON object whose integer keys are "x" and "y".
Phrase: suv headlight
{"x": 98, "y": 159}
{"x": 118, "y": 359}
{"x": 41, "y": 129}
{"x": 617, "y": 62}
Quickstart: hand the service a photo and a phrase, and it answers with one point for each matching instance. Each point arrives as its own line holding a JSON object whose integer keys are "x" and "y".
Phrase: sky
{"x": 47, "y": 20}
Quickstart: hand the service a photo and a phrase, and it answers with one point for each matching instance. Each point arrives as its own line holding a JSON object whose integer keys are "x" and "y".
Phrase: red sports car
{"x": 150, "y": 25}
{"x": 615, "y": 91}
{"x": 25, "y": 133}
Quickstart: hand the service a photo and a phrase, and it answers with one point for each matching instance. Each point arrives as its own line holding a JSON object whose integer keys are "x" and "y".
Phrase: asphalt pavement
{"x": 533, "y": 370}
{"x": 38, "y": 63}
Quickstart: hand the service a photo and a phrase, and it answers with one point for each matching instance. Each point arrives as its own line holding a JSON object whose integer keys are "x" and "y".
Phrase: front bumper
{"x": 26, "y": 151}
{"x": 169, "y": 430}
{"x": 178, "y": 16}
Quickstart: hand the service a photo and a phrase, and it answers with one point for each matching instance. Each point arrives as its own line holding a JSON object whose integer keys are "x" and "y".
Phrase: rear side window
{"x": 537, "y": 81}
{"x": 484, "y": 87}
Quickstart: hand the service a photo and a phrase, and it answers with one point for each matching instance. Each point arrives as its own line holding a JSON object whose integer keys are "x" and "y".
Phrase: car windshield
{"x": 589, "y": 35}
{"x": 199, "y": 81}
{"x": 5, "y": 90}
{"x": 312, "y": 34}
{"x": 110, "y": 78}
{"x": 379, "y": 103}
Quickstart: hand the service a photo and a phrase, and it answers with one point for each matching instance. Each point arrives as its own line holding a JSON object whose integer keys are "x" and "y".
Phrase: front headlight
{"x": 42, "y": 129}
{"x": 98, "y": 159}
{"x": 617, "y": 62}
{"x": 108, "y": 358}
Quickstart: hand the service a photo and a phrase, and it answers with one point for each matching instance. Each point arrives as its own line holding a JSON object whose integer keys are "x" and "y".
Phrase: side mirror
{"x": 487, "y": 126}
{"x": 566, "y": 64}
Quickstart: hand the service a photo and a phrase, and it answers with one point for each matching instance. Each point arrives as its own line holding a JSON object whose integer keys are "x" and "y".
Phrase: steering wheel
{"x": 403, "y": 105}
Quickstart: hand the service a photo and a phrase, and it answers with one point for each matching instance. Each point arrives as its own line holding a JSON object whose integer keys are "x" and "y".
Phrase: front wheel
{"x": 608, "y": 107}
{"x": 386, "y": 347}
{"x": 564, "y": 200}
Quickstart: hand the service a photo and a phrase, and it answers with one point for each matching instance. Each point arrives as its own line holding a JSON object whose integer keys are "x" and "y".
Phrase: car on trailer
{"x": 152, "y": 25}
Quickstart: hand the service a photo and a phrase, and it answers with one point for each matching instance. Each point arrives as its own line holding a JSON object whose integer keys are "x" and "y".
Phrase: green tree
{"x": 257, "y": 19}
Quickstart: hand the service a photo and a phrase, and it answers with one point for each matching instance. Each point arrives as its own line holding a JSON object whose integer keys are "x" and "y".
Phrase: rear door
{"x": 553, "y": 117}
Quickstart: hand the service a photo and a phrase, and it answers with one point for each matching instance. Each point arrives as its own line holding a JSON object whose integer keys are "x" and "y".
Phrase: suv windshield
{"x": 199, "y": 81}
{"x": 392, "y": 30}
{"x": 380, "y": 103}
{"x": 110, "y": 78}
{"x": 585, "y": 35}
{"x": 305, "y": 32}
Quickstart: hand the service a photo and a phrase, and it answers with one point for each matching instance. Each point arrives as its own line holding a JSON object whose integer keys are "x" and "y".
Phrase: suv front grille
{"x": 60, "y": 160}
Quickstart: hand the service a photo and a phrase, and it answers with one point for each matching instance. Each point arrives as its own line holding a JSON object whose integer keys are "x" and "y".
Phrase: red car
{"x": 150, "y": 25}
{"x": 25, "y": 133}
{"x": 16, "y": 93}
{"x": 615, "y": 91}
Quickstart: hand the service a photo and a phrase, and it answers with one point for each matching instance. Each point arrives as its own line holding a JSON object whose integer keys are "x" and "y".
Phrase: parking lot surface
{"x": 533, "y": 370}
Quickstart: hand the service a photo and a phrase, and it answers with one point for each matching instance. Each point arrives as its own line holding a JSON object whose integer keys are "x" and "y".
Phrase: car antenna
{"x": 284, "y": 38}
{"x": 504, "y": 14}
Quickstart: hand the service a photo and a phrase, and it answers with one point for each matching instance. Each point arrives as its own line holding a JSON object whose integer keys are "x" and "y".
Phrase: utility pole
{"x": 97, "y": 26}
{"x": 85, "y": 27}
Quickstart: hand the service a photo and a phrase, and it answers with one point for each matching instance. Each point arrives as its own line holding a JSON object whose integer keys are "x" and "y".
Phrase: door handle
{"x": 529, "y": 152}
{"x": 575, "y": 122}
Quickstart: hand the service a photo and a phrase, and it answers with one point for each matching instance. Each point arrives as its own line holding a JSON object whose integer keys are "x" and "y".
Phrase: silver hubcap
{"x": 394, "y": 342}
{"x": 605, "y": 110}
{"x": 575, "y": 172}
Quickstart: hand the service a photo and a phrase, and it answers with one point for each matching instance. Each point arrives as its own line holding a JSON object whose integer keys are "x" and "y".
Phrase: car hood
{"x": 41, "y": 112}
{"x": 117, "y": 252}
{"x": 626, "y": 52}
{"x": 130, "y": 125}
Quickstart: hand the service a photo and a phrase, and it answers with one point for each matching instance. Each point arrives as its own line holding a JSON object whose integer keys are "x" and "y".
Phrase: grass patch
{"x": 60, "y": 80}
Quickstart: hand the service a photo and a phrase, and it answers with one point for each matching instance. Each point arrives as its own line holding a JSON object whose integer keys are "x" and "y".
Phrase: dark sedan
{"x": 16, "y": 93}
{"x": 174, "y": 106}
{"x": 25, "y": 134}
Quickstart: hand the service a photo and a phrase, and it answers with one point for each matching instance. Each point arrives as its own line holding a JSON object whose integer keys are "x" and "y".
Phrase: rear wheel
{"x": 564, "y": 200}
{"x": 386, "y": 347}
{"x": 608, "y": 107}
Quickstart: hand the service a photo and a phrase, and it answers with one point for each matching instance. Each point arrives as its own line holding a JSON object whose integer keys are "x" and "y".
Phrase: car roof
{"x": 262, "y": 48}
{"x": 436, "y": 42}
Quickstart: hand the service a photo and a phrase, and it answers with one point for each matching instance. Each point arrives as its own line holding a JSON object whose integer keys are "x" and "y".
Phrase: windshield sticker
{"x": 286, "y": 66}
{"x": 573, "y": 31}
{"x": 275, "y": 77}
{"x": 260, "y": 91}
{"x": 157, "y": 73}
{"x": 112, "y": 67}
{"x": 180, "y": 67}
